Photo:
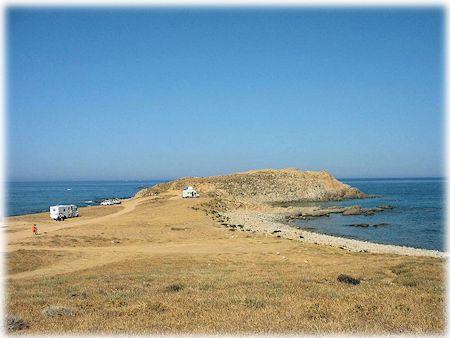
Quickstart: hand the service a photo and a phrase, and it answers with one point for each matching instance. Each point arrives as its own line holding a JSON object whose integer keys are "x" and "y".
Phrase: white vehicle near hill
{"x": 189, "y": 192}
{"x": 61, "y": 212}
{"x": 111, "y": 201}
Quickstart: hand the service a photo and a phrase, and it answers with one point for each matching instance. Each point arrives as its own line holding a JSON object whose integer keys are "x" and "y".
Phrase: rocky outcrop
{"x": 357, "y": 210}
{"x": 354, "y": 210}
{"x": 264, "y": 186}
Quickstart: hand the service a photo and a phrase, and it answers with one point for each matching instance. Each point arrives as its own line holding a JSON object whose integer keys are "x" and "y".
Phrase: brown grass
{"x": 206, "y": 279}
{"x": 218, "y": 294}
{"x": 71, "y": 241}
{"x": 29, "y": 260}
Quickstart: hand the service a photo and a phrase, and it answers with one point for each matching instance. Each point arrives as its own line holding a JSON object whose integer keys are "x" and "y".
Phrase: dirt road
{"x": 161, "y": 264}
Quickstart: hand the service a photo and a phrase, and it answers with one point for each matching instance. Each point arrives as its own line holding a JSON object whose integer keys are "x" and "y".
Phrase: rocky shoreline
{"x": 260, "y": 201}
{"x": 277, "y": 224}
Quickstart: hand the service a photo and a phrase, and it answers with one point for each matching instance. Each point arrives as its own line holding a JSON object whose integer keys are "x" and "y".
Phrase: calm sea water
{"x": 417, "y": 219}
{"x": 31, "y": 197}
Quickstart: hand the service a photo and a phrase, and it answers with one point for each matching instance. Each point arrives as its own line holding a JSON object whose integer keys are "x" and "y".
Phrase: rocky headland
{"x": 252, "y": 201}
{"x": 265, "y": 186}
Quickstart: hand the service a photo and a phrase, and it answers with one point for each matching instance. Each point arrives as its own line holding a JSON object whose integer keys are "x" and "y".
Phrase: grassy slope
{"x": 175, "y": 270}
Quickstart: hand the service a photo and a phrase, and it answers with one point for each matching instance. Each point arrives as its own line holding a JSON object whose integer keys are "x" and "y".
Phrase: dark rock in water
{"x": 348, "y": 279}
{"x": 301, "y": 236}
{"x": 317, "y": 213}
{"x": 357, "y": 210}
{"x": 360, "y": 225}
{"x": 380, "y": 225}
{"x": 275, "y": 231}
{"x": 354, "y": 210}
{"x": 385, "y": 206}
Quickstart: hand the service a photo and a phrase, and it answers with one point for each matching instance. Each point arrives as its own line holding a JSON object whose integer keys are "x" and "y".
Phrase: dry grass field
{"x": 156, "y": 265}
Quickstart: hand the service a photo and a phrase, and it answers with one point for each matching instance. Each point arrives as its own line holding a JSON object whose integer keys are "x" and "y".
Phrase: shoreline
{"x": 273, "y": 224}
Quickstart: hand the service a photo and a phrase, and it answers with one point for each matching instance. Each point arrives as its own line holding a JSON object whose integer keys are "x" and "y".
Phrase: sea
{"x": 417, "y": 219}
{"x": 33, "y": 197}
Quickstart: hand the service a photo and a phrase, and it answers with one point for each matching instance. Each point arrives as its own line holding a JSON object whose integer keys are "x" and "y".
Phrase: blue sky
{"x": 154, "y": 93}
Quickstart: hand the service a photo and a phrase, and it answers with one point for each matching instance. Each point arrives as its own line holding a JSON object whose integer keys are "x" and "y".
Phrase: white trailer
{"x": 189, "y": 192}
{"x": 61, "y": 212}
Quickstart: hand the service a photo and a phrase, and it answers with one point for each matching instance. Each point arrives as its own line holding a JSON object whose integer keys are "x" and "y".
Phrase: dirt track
{"x": 50, "y": 225}
{"x": 119, "y": 262}
{"x": 89, "y": 257}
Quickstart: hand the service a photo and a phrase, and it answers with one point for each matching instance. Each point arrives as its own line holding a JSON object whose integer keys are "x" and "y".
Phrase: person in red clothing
{"x": 35, "y": 229}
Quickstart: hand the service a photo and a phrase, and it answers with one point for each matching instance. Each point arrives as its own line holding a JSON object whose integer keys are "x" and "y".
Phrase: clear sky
{"x": 147, "y": 93}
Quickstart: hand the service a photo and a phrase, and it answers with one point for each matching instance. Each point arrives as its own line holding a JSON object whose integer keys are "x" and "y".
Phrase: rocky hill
{"x": 264, "y": 186}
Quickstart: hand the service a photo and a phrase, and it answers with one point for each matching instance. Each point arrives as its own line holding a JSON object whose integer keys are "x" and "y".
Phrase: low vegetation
{"x": 157, "y": 278}
{"x": 222, "y": 293}
{"x": 15, "y": 323}
{"x": 264, "y": 186}
{"x": 70, "y": 241}
{"x": 29, "y": 260}
{"x": 57, "y": 311}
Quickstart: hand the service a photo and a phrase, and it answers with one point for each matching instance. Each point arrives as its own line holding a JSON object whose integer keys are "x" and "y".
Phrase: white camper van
{"x": 189, "y": 192}
{"x": 61, "y": 212}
